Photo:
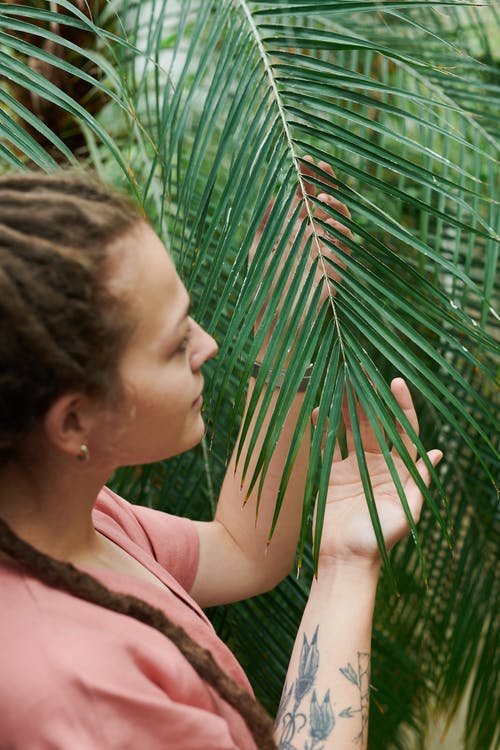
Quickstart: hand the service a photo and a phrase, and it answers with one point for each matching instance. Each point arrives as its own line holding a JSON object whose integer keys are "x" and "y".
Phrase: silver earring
{"x": 84, "y": 454}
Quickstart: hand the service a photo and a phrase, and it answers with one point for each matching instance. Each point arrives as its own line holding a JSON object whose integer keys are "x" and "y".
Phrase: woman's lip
{"x": 198, "y": 402}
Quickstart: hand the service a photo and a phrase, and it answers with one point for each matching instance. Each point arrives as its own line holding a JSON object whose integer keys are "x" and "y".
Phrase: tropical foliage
{"x": 204, "y": 109}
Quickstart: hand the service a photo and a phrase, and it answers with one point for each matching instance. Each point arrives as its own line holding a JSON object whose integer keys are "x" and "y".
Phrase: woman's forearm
{"x": 326, "y": 695}
{"x": 250, "y": 529}
{"x": 235, "y": 543}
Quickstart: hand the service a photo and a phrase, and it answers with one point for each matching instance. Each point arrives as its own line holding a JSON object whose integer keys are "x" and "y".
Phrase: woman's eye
{"x": 184, "y": 343}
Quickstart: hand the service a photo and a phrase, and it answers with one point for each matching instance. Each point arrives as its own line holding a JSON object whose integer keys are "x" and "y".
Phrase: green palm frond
{"x": 206, "y": 111}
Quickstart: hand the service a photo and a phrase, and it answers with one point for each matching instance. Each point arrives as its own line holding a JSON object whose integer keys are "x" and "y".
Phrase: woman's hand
{"x": 309, "y": 207}
{"x": 348, "y": 535}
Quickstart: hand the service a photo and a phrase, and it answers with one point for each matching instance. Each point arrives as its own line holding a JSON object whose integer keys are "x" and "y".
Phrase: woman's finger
{"x": 307, "y": 172}
{"x": 334, "y": 203}
{"x": 403, "y": 397}
{"x": 368, "y": 437}
{"x": 412, "y": 491}
{"x": 337, "y": 454}
{"x": 325, "y": 167}
{"x": 314, "y": 420}
{"x": 339, "y": 227}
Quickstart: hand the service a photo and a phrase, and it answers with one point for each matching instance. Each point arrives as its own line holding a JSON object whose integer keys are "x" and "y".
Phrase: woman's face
{"x": 161, "y": 366}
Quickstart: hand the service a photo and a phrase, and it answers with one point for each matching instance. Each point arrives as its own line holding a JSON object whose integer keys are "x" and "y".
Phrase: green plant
{"x": 205, "y": 112}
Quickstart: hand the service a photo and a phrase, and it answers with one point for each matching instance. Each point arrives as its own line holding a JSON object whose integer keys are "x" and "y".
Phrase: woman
{"x": 101, "y": 367}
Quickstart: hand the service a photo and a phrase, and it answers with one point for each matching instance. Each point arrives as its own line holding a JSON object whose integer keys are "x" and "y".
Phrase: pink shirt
{"x": 75, "y": 676}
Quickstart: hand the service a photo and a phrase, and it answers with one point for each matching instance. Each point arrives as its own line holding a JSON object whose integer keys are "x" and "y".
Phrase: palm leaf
{"x": 211, "y": 107}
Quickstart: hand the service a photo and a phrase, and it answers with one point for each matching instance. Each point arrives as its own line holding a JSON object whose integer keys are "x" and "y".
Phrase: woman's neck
{"x": 49, "y": 504}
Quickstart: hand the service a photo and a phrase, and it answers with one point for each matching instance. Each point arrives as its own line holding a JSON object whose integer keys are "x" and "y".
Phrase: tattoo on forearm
{"x": 314, "y": 729}
{"x": 361, "y": 679}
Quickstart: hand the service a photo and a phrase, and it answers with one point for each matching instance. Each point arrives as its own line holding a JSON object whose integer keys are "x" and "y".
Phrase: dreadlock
{"x": 62, "y": 328}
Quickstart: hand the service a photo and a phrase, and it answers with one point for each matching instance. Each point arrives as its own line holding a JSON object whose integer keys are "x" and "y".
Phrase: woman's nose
{"x": 204, "y": 347}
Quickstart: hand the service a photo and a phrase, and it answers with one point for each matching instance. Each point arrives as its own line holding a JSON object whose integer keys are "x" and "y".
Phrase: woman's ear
{"x": 68, "y": 423}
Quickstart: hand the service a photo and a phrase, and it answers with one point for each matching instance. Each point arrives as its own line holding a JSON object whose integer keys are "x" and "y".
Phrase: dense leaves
{"x": 205, "y": 111}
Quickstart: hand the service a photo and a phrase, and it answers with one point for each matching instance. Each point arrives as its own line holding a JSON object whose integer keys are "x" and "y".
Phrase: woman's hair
{"x": 62, "y": 329}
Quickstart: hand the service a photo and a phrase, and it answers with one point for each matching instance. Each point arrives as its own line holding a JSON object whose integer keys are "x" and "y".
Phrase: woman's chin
{"x": 193, "y": 439}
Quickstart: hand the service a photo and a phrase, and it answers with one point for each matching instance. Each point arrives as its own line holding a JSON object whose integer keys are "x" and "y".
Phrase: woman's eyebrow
{"x": 189, "y": 307}
{"x": 186, "y": 312}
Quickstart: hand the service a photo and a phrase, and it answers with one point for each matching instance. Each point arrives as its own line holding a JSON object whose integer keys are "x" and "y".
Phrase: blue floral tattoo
{"x": 321, "y": 721}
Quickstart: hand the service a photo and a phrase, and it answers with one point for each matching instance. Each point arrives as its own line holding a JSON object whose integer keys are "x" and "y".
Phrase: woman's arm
{"x": 326, "y": 696}
{"x": 236, "y": 561}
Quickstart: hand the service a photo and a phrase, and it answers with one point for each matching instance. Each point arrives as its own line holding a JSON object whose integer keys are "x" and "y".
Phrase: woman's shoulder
{"x": 172, "y": 540}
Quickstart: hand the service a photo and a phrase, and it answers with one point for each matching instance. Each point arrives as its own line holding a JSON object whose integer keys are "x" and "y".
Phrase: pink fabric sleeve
{"x": 173, "y": 541}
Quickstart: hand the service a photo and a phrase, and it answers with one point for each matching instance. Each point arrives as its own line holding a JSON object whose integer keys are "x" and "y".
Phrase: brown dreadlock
{"x": 55, "y": 231}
